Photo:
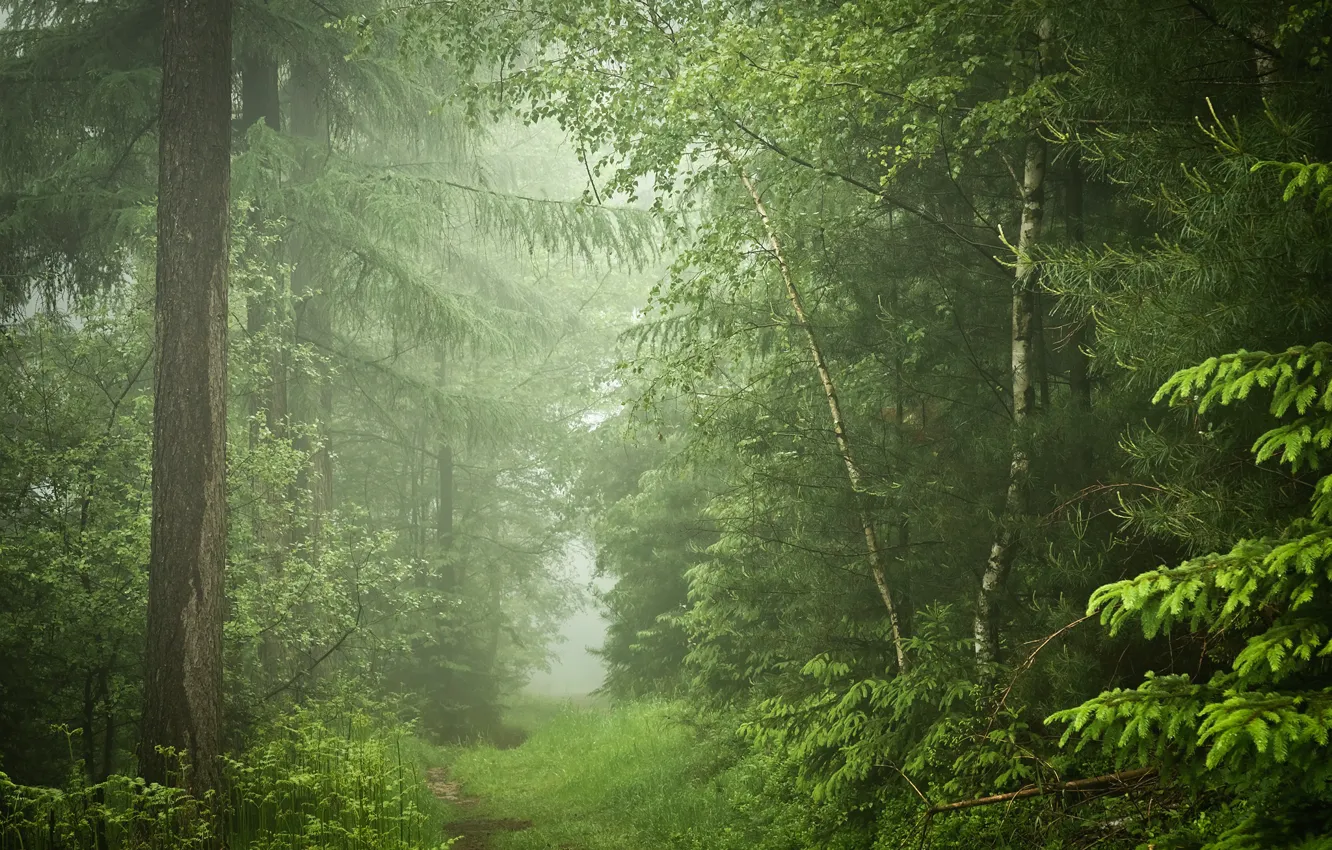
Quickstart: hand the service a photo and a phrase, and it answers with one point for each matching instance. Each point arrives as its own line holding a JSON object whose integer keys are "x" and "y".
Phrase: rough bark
{"x": 183, "y": 681}
{"x": 1025, "y": 280}
{"x": 853, "y": 472}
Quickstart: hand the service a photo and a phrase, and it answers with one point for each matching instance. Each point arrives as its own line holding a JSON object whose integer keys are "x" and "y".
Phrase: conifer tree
{"x": 183, "y": 679}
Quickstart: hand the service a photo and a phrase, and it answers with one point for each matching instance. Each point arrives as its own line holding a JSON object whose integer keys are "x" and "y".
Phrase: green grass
{"x": 591, "y": 778}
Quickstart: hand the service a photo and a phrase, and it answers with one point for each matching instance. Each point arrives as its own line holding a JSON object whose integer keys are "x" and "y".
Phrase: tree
{"x": 183, "y": 681}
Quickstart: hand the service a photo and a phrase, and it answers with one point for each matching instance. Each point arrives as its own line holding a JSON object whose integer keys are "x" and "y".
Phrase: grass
{"x": 587, "y": 778}
{"x": 591, "y": 778}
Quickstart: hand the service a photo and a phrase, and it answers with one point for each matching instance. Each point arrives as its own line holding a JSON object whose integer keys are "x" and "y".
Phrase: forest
{"x": 942, "y": 390}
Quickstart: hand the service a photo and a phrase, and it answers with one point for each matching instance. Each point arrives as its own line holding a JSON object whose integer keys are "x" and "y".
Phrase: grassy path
{"x": 586, "y": 779}
{"x": 470, "y": 832}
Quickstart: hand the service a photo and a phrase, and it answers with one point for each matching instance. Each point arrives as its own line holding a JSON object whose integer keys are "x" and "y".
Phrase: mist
{"x": 726, "y": 425}
{"x": 574, "y": 669}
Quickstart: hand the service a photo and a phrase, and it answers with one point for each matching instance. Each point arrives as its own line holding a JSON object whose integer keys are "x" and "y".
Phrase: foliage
{"x": 878, "y": 218}
{"x": 315, "y": 782}
{"x": 1262, "y": 726}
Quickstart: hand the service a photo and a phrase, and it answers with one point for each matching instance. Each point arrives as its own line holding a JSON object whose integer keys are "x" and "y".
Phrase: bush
{"x": 311, "y": 783}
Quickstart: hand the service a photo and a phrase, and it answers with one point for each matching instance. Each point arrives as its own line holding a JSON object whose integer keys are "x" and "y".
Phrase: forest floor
{"x": 471, "y": 833}
{"x": 587, "y": 778}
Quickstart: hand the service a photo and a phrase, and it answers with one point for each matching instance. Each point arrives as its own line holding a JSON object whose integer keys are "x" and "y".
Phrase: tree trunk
{"x": 1040, "y": 361}
{"x": 444, "y": 520}
{"x": 1025, "y": 280}
{"x": 260, "y": 103}
{"x": 265, "y": 313}
{"x": 314, "y": 311}
{"x": 183, "y": 681}
{"x": 853, "y": 472}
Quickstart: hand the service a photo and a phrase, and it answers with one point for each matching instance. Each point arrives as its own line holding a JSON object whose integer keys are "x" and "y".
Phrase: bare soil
{"x": 472, "y": 833}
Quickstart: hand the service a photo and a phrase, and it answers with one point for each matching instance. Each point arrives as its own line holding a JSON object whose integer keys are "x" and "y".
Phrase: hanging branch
{"x": 853, "y": 473}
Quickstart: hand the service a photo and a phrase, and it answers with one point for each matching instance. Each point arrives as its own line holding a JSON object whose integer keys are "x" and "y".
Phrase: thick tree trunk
{"x": 1025, "y": 280}
{"x": 853, "y": 473}
{"x": 183, "y": 681}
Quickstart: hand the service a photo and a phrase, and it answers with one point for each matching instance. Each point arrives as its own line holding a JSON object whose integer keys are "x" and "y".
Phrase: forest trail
{"x": 473, "y": 833}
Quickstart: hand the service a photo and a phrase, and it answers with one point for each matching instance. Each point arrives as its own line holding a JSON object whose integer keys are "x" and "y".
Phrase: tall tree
{"x": 183, "y": 685}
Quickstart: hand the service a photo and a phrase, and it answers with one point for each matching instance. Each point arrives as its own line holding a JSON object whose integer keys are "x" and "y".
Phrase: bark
{"x": 183, "y": 680}
{"x": 314, "y": 311}
{"x": 1025, "y": 280}
{"x": 444, "y": 520}
{"x": 416, "y": 472}
{"x": 109, "y": 718}
{"x": 853, "y": 472}
{"x": 1040, "y": 359}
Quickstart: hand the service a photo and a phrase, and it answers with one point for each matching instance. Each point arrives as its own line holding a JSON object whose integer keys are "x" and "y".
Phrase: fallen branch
{"x": 1120, "y": 782}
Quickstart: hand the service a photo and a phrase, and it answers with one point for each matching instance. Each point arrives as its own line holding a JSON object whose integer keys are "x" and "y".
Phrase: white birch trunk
{"x": 853, "y": 473}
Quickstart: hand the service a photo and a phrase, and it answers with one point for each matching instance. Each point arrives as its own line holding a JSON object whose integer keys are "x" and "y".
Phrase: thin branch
{"x": 876, "y": 191}
{"x": 1119, "y": 782}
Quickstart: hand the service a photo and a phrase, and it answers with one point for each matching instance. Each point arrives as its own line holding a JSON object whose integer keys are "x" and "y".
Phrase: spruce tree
{"x": 183, "y": 680}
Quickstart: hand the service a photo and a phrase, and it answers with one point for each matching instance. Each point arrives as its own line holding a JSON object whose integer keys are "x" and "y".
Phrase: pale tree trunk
{"x": 853, "y": 473}
{"x": 183, "y": 680}
{"x": 1025, "y": 280}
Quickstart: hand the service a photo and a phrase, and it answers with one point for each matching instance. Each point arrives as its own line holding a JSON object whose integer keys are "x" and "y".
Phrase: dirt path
{"x": 473, "y": 833}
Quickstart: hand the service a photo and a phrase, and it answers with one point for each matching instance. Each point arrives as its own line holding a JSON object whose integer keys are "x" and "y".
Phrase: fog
{"x": 575, "y": 670}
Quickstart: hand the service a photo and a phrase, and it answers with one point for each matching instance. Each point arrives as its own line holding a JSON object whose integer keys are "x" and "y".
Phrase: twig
{"x": 1026, "y": 665}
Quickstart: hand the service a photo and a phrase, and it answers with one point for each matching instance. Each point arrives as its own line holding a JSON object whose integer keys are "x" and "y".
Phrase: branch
{"x": 1119, "y": 782}
{"x": 1211, "y": 18}
{"x": 876, "y": 191}
{"x": 356, "y": 627}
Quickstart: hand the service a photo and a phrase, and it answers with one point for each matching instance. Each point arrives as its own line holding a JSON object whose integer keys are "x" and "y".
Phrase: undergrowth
{"x": 311, "y": 783}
